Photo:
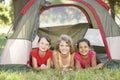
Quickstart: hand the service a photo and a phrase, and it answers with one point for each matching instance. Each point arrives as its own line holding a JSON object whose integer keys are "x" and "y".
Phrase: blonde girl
{"x": 63, "y": 55}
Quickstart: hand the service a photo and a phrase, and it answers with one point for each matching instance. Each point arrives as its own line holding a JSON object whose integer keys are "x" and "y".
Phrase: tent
{"x": 29, "y": 22}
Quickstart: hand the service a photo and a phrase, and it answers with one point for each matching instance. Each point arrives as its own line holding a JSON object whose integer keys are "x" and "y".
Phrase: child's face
{"x": 43, "y": 45}
{"x": 84, "y": 48}
{"x": 64, "y": 47}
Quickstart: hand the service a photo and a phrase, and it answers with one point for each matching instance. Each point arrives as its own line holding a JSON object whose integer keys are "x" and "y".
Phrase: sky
{"x": 7, "y": 2}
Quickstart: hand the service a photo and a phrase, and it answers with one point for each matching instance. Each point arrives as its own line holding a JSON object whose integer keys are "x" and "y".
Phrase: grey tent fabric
{"x": 25, "y": 29}
{"x": 75, "y": 31}
{"x": 18, "y": 46}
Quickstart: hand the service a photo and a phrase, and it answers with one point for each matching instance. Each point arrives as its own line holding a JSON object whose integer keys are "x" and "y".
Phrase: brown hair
{"x": 68, "y": 40}
{"x": 46, "y": 37}
{"x": 83, "y": 40}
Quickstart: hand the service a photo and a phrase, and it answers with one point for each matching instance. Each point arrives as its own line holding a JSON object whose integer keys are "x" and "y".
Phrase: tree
{"x": 4, "y": 13}
{"x": 114, "y": 6}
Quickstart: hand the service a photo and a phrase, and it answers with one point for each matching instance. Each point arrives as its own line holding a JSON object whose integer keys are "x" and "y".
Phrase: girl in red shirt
{"x": 40, "y": 58}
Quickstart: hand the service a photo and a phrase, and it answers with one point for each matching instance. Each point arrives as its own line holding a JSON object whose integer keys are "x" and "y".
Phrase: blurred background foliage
{"x": 6, "y": 12}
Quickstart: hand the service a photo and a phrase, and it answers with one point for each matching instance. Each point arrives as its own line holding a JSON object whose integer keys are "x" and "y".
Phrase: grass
{"x": 23, "y": 72}
{"x": 51, "y": 74}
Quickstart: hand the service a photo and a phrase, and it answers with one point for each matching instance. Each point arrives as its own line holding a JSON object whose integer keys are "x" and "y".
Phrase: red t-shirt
{"x": 40, "y": 60}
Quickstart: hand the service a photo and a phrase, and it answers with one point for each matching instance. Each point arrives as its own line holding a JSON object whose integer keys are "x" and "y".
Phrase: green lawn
{"x": 111, "y": 71}
{"x": 51, "y": 74}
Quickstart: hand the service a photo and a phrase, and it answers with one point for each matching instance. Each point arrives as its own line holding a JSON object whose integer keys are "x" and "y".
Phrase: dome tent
{"x": 19, "y": 45}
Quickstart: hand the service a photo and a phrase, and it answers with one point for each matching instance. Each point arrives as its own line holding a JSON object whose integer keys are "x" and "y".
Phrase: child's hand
{"x": 43, "y": 67}
{"x": 99, "y": 66}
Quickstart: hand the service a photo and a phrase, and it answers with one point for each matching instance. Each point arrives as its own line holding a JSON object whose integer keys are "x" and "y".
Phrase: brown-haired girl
{"x": 86, "y": 57}
{"x": 40, "y": 58}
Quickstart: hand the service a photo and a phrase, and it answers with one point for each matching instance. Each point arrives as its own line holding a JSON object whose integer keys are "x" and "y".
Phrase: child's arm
{"x": 72, "y": 61}
{"x": 94, "y": 62}
{"x": 55, "y": 60}
{"x": 99, "y": 63}
{"x": 34, "y": 63}
{"x": 77, "y": 65}
{"x": 48, "y": 63}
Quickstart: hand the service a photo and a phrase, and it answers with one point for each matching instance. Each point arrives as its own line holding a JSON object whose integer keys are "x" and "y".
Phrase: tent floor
{"x": 102, "y": 57}
{"x": 20, "y": 68}
{"x": 112, "y": 64}
{"x": 108, "y": 63}
{"x": 15, "y": 67}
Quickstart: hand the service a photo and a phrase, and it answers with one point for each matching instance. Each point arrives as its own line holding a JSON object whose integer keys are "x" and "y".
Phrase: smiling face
{"x": 84, "y": 48}
{"x": 44, "y": 45}
{"x": 64, "y": 47}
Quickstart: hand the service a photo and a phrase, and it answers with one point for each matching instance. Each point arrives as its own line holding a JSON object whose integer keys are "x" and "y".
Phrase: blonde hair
{"x": 68, "y": 40}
